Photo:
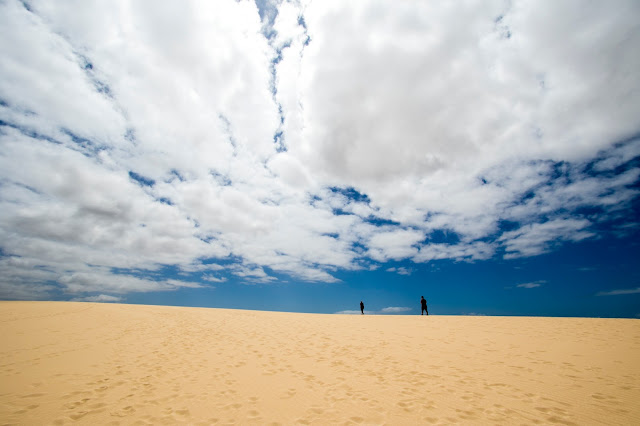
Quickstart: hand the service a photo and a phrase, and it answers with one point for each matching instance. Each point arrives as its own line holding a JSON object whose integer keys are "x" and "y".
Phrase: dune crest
{"x": 91, "y": 363}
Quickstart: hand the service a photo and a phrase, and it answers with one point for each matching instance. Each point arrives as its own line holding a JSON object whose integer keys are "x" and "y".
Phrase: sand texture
{"x": 86, "y": 363}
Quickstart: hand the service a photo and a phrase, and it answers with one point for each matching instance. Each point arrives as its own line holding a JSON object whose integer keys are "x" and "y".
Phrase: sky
{"x": 306, "y": 155}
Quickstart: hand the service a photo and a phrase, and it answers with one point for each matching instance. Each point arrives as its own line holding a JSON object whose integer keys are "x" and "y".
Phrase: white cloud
{"x": 401, "y": 270}
{"x": 619, "y": 292}
{"x": 97, "y": 281}
{"x": 99, "y": 298}
{"x": 537, "y": 238}
{"x": 349, "y": 312}
{"x": 139, "y": 136}
{"x": 394, "y": 310}
{"x": 530, "y": 285}
{"x": 472, "y": 251}
{"x": 213, "y": 278}
{"x": 394, "y": 244}
{"x": 391, "y": 310}
{"x": 427, "y": 67}
{"x": 252, "y": 274}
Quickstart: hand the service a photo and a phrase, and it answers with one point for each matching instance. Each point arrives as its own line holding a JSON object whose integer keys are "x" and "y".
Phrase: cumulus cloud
{"x": 249, "y": 140}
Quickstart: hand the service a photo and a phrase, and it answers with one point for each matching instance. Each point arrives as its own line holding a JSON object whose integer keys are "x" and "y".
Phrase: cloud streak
{"x": 391, "y": 310}
{"x": 619, "y": 292}
{"x": 232, "y": 141}
{"x": 101, "y": 298}
{"x": 530, "y": 285}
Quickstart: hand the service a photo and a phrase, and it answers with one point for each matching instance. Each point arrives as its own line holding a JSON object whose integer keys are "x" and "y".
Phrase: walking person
{"x": 361, "y": 308}
{"x": 423, "y": 303}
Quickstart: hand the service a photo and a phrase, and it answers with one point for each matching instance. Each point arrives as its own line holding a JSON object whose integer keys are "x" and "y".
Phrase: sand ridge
{"x": 89, "y": 363}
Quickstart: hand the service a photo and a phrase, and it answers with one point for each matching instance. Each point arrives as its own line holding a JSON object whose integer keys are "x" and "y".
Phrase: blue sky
{"x": 304, "y": 155}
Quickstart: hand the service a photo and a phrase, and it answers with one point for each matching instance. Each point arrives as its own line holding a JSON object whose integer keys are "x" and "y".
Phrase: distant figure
{"x": 423, "y": 302}
{"x": 362, "y": 307}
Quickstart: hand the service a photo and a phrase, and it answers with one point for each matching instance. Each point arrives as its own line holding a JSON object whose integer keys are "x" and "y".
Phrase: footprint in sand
{"x": 558, "y": 420}
{"x": 290, "y": 393}
{"x": 98, "y": 406}
{"x": 182, "y": 415}
{"x": 78, "y": 415}
{"x": 407, "y": 406}
{"x": 75, "y": 404}
{"x": 254, "y": 415}
{"x": 126, "y": 411}
{"x": 466, "y": 414}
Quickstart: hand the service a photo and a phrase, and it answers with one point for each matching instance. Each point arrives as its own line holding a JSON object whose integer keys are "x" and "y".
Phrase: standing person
{"x": 362, "y": 307}
{"x": 423, "y": 302}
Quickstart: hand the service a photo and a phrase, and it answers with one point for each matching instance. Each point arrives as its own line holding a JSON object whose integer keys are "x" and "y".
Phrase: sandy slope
{"x": 121, "y": 364}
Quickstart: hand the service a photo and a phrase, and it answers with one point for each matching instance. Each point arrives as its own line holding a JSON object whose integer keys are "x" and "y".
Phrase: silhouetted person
{"x": 362, "y": 307}
{"x": 423, "y": 302}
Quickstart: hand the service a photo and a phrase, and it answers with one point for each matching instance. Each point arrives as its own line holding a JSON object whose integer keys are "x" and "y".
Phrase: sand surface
{"x": 89, "y": 363}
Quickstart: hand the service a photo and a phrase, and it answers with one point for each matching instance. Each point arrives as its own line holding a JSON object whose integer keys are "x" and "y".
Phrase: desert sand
{"x": 87, "y": 363}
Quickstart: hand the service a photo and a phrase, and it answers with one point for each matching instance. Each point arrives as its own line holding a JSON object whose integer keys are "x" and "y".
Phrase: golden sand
{"x": 89, "y": 363}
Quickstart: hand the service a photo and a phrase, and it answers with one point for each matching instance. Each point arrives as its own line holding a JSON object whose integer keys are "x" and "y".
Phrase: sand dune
{"x": 126, "y": 364}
